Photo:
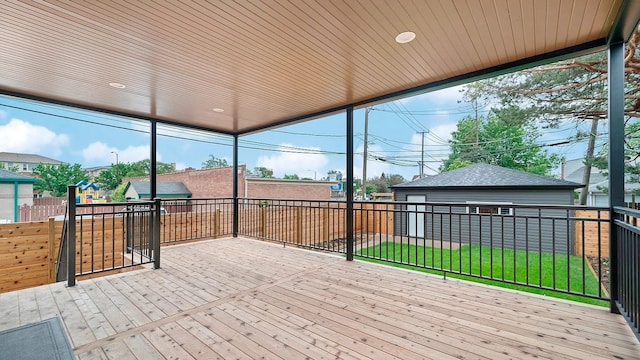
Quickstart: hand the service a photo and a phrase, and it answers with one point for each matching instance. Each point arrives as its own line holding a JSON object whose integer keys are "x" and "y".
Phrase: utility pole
{"x": 364, "y": 155}
{"x": 422, "y": 153}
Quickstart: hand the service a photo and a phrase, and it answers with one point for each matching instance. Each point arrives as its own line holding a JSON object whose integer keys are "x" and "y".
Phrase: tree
{"x": 384, "y": 183}
{"x": 573, "y": 91}
{"x": 504, "y": 138}
{"x": 214, "y": 162}
{"x": 56, "y": 178}
{"x": 118, "y": 194}
{"x": 291, "y": 177}
{"x": 111, "y": 178}
{"x": 261, "y": 172}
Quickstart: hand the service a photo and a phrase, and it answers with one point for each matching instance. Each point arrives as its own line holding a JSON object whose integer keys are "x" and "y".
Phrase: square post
{"x": 616, "y": 159}
{"x": 349, "y": 190}
{"x": 235, "y": 187}
{"x": 71, "y": 235}
{"x": 156, "y": 233}
{"x": 154, "y": 161}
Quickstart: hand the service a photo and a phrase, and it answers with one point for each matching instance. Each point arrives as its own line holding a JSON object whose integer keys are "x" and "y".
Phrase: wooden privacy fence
{"x": 314, "y": 225}
{"x": 588, "y": 234}
{"x": 28, "y": 252}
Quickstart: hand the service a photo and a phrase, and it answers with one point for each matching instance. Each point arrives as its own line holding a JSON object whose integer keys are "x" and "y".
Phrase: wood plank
{"x": 237, "y": 298}
{"x": 165, "y": 345}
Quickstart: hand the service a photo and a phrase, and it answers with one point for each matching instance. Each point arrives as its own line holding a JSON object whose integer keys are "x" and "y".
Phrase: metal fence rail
{"x": 558, "y": 248}
{"x": 106, "y": 237}
{"x": 627, "y": 296}
{"x": 191, "y": 219}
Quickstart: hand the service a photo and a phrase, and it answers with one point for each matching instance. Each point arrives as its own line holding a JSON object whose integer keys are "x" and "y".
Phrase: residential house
{"x": 597, "y": 194}
{"x": 24, "y": 163}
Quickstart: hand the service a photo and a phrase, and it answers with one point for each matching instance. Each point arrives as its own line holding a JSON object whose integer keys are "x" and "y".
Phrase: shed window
{"x": 491, "y": 209}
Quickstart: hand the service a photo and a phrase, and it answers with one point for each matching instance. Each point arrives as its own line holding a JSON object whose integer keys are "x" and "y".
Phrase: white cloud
{"x": 101, "y": 153}
{"x": 23, "y": 137}
{"x": 293, "y": 161}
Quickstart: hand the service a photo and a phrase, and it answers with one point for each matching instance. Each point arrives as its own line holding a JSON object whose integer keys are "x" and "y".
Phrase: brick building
{"x": 218, "y": 182}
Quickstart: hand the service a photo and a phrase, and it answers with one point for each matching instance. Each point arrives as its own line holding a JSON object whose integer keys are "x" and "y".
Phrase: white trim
{"x": 500, "y": 209}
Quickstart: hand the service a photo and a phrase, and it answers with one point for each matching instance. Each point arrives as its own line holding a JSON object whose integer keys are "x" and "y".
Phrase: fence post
{"x": 156, "y": 234}
{"x": 263, "y": 221}
{"x": 71, "y": 235}
{"x": 52, "y": 247}
{"x": 299, "y": 225}
{"x": 216, "y": 223}
{"x": 325, "y": 224}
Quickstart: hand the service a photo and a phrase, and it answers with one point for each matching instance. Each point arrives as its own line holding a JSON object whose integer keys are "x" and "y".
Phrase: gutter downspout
{"x": 15, "y": 201}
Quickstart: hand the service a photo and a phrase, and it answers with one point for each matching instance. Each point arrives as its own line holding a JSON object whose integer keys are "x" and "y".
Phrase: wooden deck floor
{"x": 239, "y": 298}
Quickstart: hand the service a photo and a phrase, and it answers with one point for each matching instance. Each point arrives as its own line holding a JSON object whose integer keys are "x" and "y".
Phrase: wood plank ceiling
{"x": 267, "y": 61}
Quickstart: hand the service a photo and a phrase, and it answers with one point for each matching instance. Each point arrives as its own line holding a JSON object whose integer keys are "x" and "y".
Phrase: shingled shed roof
{"x": 8, "y": 176}
{"x": 487, "y": 176}
{"x": 143, "y": 188}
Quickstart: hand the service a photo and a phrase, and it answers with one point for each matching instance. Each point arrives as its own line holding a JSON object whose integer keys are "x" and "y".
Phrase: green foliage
{"x": 517, "y": 266}
{"x": 504, "y": 138}
{"x": 118, "y": 194}
{"x": 384, "y": 183}
{"x": 56, "y": 178}
{"x": 261, "y": 172}
{"x": 214, "y": 162}
{"x": 291, "y": 177}
{"x": 111, "y": 178}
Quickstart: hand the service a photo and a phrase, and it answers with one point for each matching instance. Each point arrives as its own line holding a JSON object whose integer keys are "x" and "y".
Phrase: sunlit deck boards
{"x": 238, "y": 298}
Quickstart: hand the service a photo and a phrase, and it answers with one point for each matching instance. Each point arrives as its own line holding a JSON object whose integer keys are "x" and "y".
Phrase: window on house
{"x": 24, "y": 167}
{"x": 490, "y": 209}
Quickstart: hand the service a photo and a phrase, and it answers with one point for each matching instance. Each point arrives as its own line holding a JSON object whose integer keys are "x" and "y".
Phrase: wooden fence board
{"x": 591, "y": 232}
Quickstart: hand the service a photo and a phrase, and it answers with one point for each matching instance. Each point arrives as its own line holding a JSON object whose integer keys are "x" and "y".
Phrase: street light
{"x": 115, "y": 152}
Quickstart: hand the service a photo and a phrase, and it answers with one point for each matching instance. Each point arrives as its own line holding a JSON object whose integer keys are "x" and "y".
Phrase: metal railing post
{"x": 156, "y": 233}
{"x": 616, "y": 160}
{"x": 71, "y": 235}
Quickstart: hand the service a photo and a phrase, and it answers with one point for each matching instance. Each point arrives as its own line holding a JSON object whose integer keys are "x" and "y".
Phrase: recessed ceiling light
{"x": 218, "y": 110}
{"x": 117, "y": 85}
{"x": 405, "y": 37}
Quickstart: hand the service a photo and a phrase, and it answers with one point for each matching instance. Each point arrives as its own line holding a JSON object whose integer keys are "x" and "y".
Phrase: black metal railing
{"x": 109, "y": 236}
{"x": 627, "y": 261}
{"x": 192, "y": 219}
{"x": 316, "y": 225}
{"x": 558, "y": 248}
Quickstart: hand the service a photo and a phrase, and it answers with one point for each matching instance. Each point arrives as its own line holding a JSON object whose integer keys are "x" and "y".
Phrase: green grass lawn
{"x": 495, "y": 263}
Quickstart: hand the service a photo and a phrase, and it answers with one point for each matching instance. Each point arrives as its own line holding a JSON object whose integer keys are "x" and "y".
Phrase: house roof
{"x": 27, "y": 158}
{"x": 8, "y": 176}
{"x": 239, "y": 66}
{"x": 143, "y": 188}
{"x": 574, "y": 171}
{"x": 487, "y": 176}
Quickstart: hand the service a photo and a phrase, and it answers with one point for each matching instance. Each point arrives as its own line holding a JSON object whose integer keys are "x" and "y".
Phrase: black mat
{"x": 43, "y": 340}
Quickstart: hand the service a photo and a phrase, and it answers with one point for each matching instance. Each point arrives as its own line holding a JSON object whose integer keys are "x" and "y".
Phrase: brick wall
{"x": 205, "y": 183}
{"x": 288, "y": 189}
{"x": 218, "y": 182}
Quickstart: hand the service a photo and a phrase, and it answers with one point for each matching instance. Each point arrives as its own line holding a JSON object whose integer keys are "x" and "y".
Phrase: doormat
{"x": 42, "y": 340}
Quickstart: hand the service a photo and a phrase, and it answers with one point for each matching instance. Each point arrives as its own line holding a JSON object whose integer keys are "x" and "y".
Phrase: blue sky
{"x": 308, "y": 149}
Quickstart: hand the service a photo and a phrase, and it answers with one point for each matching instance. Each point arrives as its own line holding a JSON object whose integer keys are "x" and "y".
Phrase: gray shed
{"x": 484, "y": 209}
